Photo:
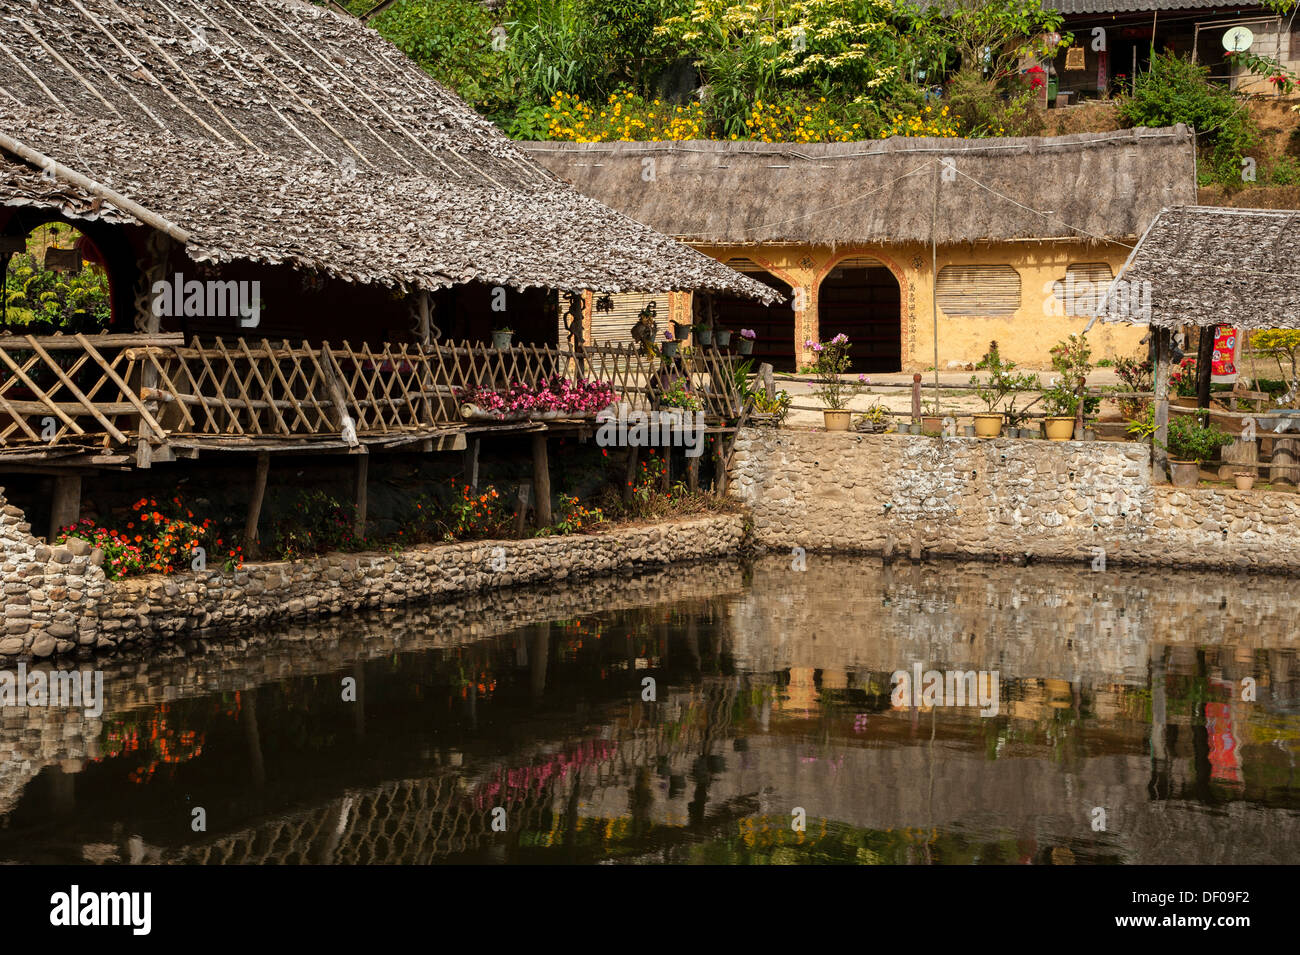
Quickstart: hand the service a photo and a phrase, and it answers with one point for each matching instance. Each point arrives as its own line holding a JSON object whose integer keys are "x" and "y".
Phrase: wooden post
{"x": 1204, "y": 368}
{"x": 252, "y": 543}
{"x": 65, "y": 506}
{"x": 720, "y": 482}
{"x": 769, "y": 383}
{"x": 521, "y": 508}
{"x": 633, "y": 456}
{"x": 1161, "y": 387}
{"x": 359, "y": 489}
{"x": 471, "y": 463}
{"x": 916, "y": 399}
{"x": 693, "y": 473}
{"x": 541, "y": 480}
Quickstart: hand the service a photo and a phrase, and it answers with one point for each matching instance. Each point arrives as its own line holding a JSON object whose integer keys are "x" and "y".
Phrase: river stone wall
{"x": 1001, "y": 497}
{"x": 57, "y": 598}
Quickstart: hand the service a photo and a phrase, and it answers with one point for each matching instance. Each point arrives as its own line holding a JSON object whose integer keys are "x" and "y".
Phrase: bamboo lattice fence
{"x": 107, "y": 391}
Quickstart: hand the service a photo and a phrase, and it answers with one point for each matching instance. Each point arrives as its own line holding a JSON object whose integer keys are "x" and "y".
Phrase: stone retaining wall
{"x": 58, "y": 598}
{"x": 1002, "y": 497}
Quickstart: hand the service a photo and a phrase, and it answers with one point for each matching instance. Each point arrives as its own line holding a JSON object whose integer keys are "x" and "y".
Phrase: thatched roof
{"x": 1209, "y": 265}
{"x": 280, "y": 132}
{"x": 1139, "y": 6}
{"x": 1092, "y": 185}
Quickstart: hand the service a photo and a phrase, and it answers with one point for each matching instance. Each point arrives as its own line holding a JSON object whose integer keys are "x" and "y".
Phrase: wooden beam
{"x": 252, "y": 544}
{"x": 1204, "y": 367}
{"x": 1161, "y": 390}
{"x": 65, "y": 506}
{"x": 541, "y": 480}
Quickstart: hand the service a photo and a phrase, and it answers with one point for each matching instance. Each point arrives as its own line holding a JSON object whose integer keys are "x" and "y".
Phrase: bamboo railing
{"x": 114, "y": 390}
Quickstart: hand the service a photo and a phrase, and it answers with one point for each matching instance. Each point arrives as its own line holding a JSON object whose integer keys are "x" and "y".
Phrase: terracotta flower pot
{"x": 1245, "y": 480}
{"x": 988, "y": 425}
{"x": 1184, "y": 473}
{"x": 932, "y": 422}
{"x": 1060, "y": 428}
{"x": 837, "y": 420}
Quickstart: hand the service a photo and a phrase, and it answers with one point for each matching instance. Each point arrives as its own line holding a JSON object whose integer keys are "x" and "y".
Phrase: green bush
{"x": 1176, "y": 90}
{"x": 1189, "y": 440}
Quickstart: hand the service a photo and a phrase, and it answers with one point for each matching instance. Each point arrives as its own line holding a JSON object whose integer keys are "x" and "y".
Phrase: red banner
{"x": 1223, "y": 367}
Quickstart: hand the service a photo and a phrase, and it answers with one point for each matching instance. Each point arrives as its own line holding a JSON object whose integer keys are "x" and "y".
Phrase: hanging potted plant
{"x": 747, "y": 336}
{"x": 1189, "y": 444}
{"x": 681, "y": 330}
{"x": 669, "y": 348}
{"x": 704, "y": 335}
{"x": 501, "y": 338}
{"x": 1001, "y": 383}
{"x": 830, "y": 361}
{"x": 723, "y": 335}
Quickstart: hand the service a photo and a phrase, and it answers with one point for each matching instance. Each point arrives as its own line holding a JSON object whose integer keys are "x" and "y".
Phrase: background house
{"x": 1186, "y": 27}
{"x": 844, "y": 231}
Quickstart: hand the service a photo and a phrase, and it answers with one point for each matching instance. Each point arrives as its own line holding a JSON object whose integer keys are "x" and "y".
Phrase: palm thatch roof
{"x": 1096, "y": 186}
{"x": 1208, "y": 266}
{"x": 276, "y": 131}
{"x": 1140, "y": 6}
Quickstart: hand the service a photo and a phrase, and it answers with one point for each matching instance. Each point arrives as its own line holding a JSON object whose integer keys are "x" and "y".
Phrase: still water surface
{"x": 1121, "y": 732}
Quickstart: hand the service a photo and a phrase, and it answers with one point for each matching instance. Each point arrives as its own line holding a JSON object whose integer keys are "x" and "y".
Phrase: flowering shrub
{"x": 580, "y": 396}
{"x": 624, "y": 117}
{"x": 572, "y": 516}
{"x": 1135, "y": 374}
{"x": 471, "y": 514}
{"x": 154, "y": 542}
{"x": 317, "y": 523}
{"x": 830, "y": 360}
{"x": 1183, "y": 379}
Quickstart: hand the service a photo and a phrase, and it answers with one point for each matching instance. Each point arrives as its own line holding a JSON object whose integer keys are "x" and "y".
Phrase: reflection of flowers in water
{"x": 518, "y": 783}
{"x": 158, "y": 739}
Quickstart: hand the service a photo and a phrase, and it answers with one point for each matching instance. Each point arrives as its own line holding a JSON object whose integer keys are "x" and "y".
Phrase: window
{"x": 986, "y": 291}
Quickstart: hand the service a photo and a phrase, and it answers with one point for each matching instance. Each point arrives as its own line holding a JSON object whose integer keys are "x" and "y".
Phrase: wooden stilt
{"x": 1204, "y": 368}
{"x": 541, "y": 480}
{"x": 359, "y": 493}
{"x": 693, "y": 473}
{"x": 521, "y": 508}
{"x": 65, "y": 506}
{"x": 1161, "y": 388}
{"x": 720, "y": 482}
{"x": 471, "y": 464}
{"x": 252, "y": 543}
{"x": 633, "y": 456}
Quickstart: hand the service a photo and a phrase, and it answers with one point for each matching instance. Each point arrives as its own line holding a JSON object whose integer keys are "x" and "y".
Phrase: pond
{"x": 720, "y": 713}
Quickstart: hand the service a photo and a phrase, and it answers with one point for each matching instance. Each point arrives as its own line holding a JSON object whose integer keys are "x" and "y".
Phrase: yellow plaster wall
{"x": 1025, "y": 337}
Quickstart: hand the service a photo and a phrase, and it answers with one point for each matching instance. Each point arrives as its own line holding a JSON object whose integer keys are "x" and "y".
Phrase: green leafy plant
{"x": 1071, "y": 360}
{"x": 1282, "y": 345}
{"x": 1002, "y": 381}
{"x": 1135, "y": 374}
{"x": 678, "y": 394}
{"x": 1176, "y": 90}
{"x": 1189, "y": 440}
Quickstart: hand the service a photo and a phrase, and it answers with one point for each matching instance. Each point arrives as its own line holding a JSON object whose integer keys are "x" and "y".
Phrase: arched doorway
{"x": 773, "y": 325}
{"x": 860, "y": 298}
{"x": 55, "y": 279}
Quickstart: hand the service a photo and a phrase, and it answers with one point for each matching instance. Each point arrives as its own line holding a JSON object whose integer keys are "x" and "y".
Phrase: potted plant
{"x": 1245, "y": 480}
{"x": 1182, "y": 384}
{"x": 681, "y": 330}
{"x": 704, "y": 335}
{"x": 669, "y": 348}
{"x": 1189, "y": 444}
{"x": 501, "y": 338}
{"x": 931, "y": 420}
{"x": 747, "y": 337}
{"x": 1070, "y": 360}
{"x": 830, "y": 361}
{"x": 1001, "y": 383}
{"x": 723, "y": 336}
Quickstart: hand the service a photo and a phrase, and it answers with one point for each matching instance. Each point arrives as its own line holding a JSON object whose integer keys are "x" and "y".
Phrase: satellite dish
{"x": 1238, "y": 39}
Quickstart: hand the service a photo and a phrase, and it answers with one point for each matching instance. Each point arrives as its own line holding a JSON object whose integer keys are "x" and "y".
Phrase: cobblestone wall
{"x": 57, "y": 598}
{"x": 1003, "y": 497}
